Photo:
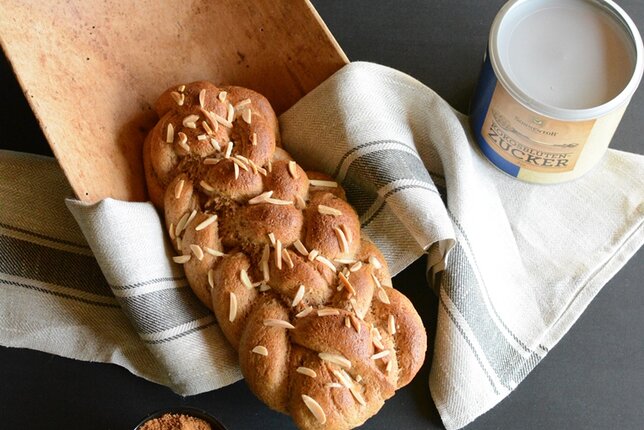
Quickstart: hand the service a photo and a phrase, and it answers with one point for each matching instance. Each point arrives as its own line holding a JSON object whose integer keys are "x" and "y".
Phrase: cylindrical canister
{"x": 556, "y": 80}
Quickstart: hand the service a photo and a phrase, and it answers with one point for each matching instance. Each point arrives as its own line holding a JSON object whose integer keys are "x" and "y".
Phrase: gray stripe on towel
{"x": 163, "y": 310}
{"x": 374, "y": 170}
{"x": 58, "y": 294}
{"x": 469, "y": 343}
{"x": 43, "y": 236}
{"x": 389, "y": 193}
{"x": 52, "y": 266}
{"x": 182, "y": 334}
{"x": 148, "y": 282}
{"x": 503, "y": 324}
{"x": 502, "y": 356}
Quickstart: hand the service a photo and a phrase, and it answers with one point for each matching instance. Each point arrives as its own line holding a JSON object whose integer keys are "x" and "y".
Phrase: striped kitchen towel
{"x": 106, "y": 291}
{"x": 519, "y": 263}
{"x": 524, "y": 260}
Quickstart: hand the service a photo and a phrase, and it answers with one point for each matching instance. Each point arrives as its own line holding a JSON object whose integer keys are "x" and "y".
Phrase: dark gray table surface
{"x": 594, "y": 378}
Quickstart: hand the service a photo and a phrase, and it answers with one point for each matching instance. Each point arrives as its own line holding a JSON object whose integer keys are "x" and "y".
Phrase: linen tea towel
{"x": 527, "y": 259}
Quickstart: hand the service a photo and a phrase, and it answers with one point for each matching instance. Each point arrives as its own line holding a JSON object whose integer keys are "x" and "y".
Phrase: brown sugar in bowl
{"x": 182, "y": 418}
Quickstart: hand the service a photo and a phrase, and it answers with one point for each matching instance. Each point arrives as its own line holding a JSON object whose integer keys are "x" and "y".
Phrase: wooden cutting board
{"x": 92, "y": 69}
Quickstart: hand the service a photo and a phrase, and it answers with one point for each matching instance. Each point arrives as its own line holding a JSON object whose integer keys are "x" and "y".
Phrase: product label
{"x": 532, "y": 141}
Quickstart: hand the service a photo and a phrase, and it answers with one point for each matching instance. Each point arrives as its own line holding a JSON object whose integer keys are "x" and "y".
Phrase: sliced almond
{"x": 279, "y": 202}
{"x": 301, "y": 204}
{"x": 375, "y": 262}
{"x": 207, "y": 128}
{"x": 347, "y": 232}
{"x": 306, "y": 371}
{"x": 264, "y": 263}
{"x": 391, "y": 325}
{"x": 381, "y": 354}
{"x": 286, "y": 257}
{"x": 192, "y": 216}
{"x": 240, "y": 163}
{"x": 214, "y": 252}
{"x": 169, "y": 134}
{"x": 356, "y": 394}
{"x": 178, "y": 189}
{"x": 299, "y": 295}
{"x": 377, "y": 343}
{"x": 178, "y": 98}
{"x": 205, "y": 223}
{"x": 243, "y": 275}
{"x": 232, "y": 310}
{"x": 313, "y": 254}
{"x": 271, "y": 322}
{"x": 305, "y": 312}
{"x": 181, "y": 224}
{"x": 321, "y": 183}
{"x": 343, "y": 377}
{"x": 260, "y": 350}
{"x": 300, "y": 247}
{"x": 221, "y": 120}
{"x": 202, "y": 98}
{"x": 197, "y": 251}
{"x": 231, "y": 113}
{"x": 247, "y": 115}
{"x": 190, "y": 121}
{"x": 315, "y": 408}
{"x": 328, "y": 312}
{"x": 261, "y": 198}
{"x": 333, "y": 385}
{"x": 355, "y": 323}
{"x": 211, "y": 118}
{"x": 181, "y": 259}
{"x": 229, "y": 149}
{"x": 342, "y": 240}
{"x": 328, "y": 210}
{"x": 383, "y": 297}
{"x": 206, "y": 186}
{"x": 376, "y": 280}
{"x": 347, "y": 284}
{"x": 326, "y": 262}
{"x": 292, "y": 169}
{"x": 278, "y": 254}
{"x": 211, "y": 278}
{"x": 338, "y": 359}
{"x": 356, "y": 267}
{"x": 183, "y": 141}
{"x": 242, "y": 104}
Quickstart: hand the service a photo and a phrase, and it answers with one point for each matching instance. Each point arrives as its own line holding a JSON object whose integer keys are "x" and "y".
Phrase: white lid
{"x": 567, "y": 59}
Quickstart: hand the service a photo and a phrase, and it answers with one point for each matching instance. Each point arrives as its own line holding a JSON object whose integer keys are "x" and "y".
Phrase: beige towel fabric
{"x": 519, "y": 262}
{"x": 524, "y": 260}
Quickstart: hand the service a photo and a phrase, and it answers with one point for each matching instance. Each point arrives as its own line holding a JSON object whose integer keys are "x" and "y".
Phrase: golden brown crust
{"x": 276, "y": 252}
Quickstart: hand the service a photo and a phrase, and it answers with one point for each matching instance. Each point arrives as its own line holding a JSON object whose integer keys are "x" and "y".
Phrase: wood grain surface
{"x": 91, "y": 70}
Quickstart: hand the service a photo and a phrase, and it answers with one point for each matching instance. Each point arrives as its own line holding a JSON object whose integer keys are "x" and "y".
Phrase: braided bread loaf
{"x": 276, "y": 253}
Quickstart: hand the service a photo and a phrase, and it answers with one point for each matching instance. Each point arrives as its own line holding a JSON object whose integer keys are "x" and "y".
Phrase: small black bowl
{"x": 184, "y": 410}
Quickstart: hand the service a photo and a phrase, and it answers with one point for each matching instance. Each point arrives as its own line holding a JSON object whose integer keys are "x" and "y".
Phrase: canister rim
{"x": 564, "y": 113}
